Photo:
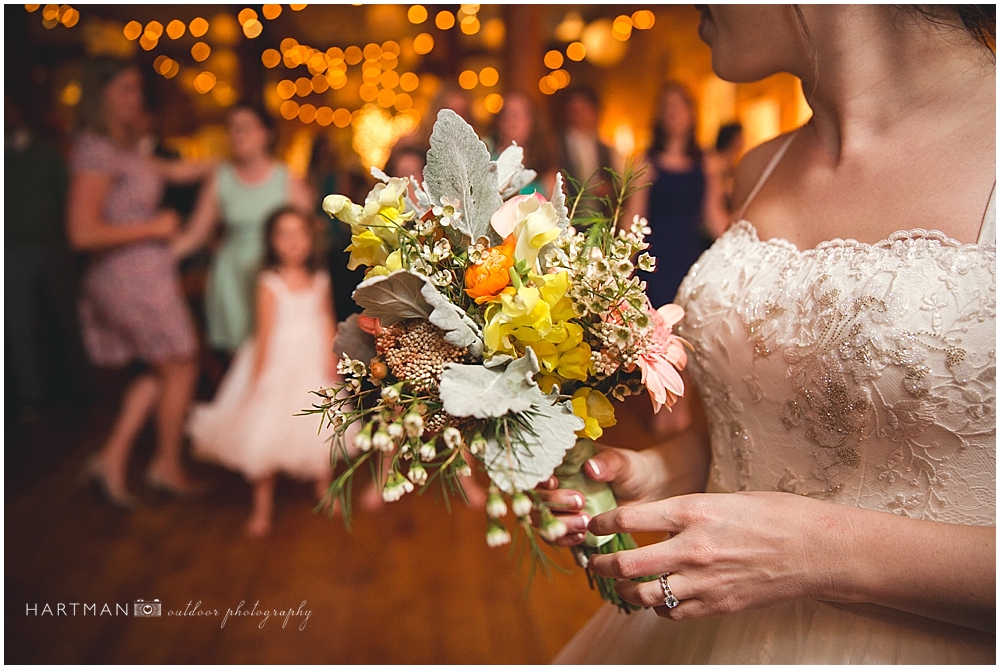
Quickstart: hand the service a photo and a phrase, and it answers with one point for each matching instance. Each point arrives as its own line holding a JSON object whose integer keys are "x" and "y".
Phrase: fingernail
{"x": 578, "y": 538}
{"x": 577, "y": 502}
{"x": 594, "y": 467}
{"x": 578, "y": 523}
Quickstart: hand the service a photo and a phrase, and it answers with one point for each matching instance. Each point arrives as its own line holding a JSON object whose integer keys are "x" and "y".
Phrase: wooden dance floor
{"x": 410, "y": 584}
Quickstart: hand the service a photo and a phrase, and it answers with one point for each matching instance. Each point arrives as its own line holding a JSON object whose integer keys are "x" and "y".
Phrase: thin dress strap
{"x": 766, "y": 173}
{"x": 988, "y": 229}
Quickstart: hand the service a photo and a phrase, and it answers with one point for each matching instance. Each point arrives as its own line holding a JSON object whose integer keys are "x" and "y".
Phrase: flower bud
{"x": 363, "y": 439}
{"x": 452, "y": 437}
{"x": 521, "y": 504}
{"x": 382, "y": 441}
{"x": 478, "y": 445}
{"x": 427, "y": 451}
{"x": 496, "y": 535}
{"x": 552, "y": 528}
{"x": 495, "y": 506}
{"x": 413, "y": 422}
{"x": 395, "y": 487}
{"x": 417, "y": 473}
{"x": 395, "y": 430}
{"x": 390, "y": 394}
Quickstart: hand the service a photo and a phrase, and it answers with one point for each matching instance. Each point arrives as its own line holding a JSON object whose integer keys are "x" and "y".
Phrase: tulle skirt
{"x": 800, "y": 632}
{"x": 252, "y": 427}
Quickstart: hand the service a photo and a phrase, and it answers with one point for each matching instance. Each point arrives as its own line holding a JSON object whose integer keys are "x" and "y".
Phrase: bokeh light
{"x": 444, "y": 20}
{"x": 417, "y": 14}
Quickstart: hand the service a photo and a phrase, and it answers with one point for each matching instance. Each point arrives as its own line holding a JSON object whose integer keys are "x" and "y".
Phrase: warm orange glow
{"x": 409, "y": 81}
{"x": 372, "y": 52}
{"x": 353, "y": 55}
{"x": 423, "y": 43}
{"x": 297, "y": 8}
{"x": 288, "y": 44}
{"x": 270, "y": 58}
{"x": 204, "y": 82}
{"x": 341, "y": 118}
{"x": 253, "y": 28}
{"x": 307, "y": 113}
{"x": 320, "y": 84}
{"x": 271, "y": 12}
{"x": 621, "y": 29}
{"x": 176, "y": 29}
{"x": 546, "y": 86}
{"x": 324, "y": 116}
{"x": 335, "y": 55}
{"x": 576, "y": 51}
{"x": 198, "y": 27}
{"x": 303, "y": 87}
{"x": 147, "y": 43}
{"x": 289, "y": 109}
{"x": 154, "y": 29}
{"x": 493, "y": 103}
{"x": 368, "y": 92}
{"x": 71, "y": 94}
{"x": 200, "y": 51}
{"x": 317, "y": 63}
{"x": 643, "y": 19}
{"x": 132, "y": 30}
{"x": 389, "y": 79}
{"x": 444, "y": 19}
{"x": 285, "y": 89}
{"x": 337, "y": 79}
{"x": 50, "y": 12}
{"x": 32, "y": 8}
{"x": 488, "y": 76}
{"x": 171, "y": 69}
{"x": 494, "y": 32}
{"x": 553, "y": 59}
{"x": 417, "y": 14}
{"x": 246, "y": 15}
{"x": 403, "y": 102}
{"x": 469, "y": 25}
{"x": 70, "y": 17}
{"x": 468, "y": 80}
{"x": 385, "y": 97}
{"x": 390, "y": 48}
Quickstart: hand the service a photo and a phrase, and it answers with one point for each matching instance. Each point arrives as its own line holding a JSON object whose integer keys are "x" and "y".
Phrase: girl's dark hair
{"x": 271, "y": 259}
{"x": 660, "y": 134}
{"x": 97, "y": 74}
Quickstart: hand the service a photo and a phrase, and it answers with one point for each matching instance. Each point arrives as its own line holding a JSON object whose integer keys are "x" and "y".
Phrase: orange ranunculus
{"x": 488, "y": 277}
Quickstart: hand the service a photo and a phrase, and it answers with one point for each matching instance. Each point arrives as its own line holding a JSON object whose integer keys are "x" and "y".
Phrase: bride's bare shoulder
{"x": 752, "y": 166}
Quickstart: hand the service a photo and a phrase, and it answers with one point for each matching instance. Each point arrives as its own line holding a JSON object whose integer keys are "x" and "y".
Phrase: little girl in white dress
{"x": 252, "y": 426}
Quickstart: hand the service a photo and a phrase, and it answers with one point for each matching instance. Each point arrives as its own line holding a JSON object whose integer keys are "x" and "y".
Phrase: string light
{"x": 493, "y": 103}
{"x": 621, "y": 29}
{"x": 270, "y": 58}
{"x": 417, "y": 14}
{"x": 198, "y": 27}
{"x": 553, "y": 59}
{"x": 468, "y": 80}
{"x": 176, "y": 29}
{"x": 444, "y": 20}
{"x": 576, "y": 51}
{"x": 423, "y": 44}
{"x": 271, "y": 12}
{"x": 643, "y": 19}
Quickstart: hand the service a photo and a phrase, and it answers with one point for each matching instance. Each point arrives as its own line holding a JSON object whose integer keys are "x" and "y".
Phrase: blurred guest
{"x": 519, "y": 121}
{"x": 131, "y": 309}
{"x": 324, "y": 177}
{"x": 729, "y": 148}
{"x": 38, "y": 268}
{"x": 406, "y": 161}
{"x": 251, "y": 425}
{"x": 449, "y": 97}
{"x": 683, "y": 200}
{"x": 241, "y": 194}
{"x": 584, "y": 157}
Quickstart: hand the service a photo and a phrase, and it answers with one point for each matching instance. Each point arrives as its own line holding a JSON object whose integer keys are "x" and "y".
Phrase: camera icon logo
{"x": 143, "y": 609}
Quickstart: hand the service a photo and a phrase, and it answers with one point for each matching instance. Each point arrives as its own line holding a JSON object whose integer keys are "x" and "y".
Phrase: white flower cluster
{"x": 605, "y": 293}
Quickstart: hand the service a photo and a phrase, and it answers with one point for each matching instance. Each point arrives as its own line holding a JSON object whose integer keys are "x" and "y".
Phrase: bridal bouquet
{"x": 496, "y": 330}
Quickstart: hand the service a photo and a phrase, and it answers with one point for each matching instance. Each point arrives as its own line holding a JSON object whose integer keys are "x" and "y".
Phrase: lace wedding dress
{"x": 860, "y": 374}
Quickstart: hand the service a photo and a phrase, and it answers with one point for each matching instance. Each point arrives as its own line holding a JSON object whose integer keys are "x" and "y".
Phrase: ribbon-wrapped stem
{"x": 598, "y": 498}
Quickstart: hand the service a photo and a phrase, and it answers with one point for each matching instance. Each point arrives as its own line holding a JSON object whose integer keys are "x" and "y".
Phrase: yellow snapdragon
{"x": 595, "y": 410}
{"x": 374, "y": 225}
{"x": 538, "y": 316}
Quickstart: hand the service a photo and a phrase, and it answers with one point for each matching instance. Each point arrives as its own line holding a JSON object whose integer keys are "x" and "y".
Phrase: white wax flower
{"x": 496, "y": 535}
{"x": 521, "y": 505}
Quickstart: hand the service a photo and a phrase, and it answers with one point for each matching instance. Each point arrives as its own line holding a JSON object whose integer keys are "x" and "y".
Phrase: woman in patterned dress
{"x": 131, "y": 307}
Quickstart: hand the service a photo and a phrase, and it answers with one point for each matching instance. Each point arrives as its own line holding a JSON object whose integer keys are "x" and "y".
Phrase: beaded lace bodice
{"x": 863, "y": 374}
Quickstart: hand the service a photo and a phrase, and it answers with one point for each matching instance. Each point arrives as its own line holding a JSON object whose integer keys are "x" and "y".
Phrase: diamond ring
{"x": 669, "y": 600}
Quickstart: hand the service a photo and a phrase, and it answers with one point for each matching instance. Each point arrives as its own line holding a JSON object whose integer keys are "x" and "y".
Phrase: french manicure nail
{"x": 579, "y": 523}
{"x": 594, "y": 467}
{"x": 577, "y": 501}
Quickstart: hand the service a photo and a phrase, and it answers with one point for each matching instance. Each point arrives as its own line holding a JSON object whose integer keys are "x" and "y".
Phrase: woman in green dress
{"x": 241, "y": 194}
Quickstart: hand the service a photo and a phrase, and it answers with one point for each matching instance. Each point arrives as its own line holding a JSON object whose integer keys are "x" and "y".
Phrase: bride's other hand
{"x": 749, "y": 550}
{"x": 678, "y": 466}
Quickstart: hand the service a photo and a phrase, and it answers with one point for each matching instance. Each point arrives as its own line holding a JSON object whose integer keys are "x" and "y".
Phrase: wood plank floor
{"x": 410, "y": 584}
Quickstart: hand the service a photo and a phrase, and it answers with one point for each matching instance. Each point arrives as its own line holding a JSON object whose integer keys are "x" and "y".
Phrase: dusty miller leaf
{"x": 459, "y": 168}
{"x": 536, "y": 449}
{"x": 380, "y": 175}
{"x": 483, "y": 392}
{"x": 393, "y": 298}
{"x": 511, "y": 174}
{"x": 354, "y": 342}
{"x": 460, "y": 330}
{"x": 558, "y": 201}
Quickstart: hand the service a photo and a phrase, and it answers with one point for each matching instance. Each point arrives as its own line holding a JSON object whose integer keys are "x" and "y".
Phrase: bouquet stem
{"x": 598, "y": 498}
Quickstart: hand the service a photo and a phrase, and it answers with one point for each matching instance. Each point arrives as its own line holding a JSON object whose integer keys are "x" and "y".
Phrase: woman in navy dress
{"x": 683, "y": 202}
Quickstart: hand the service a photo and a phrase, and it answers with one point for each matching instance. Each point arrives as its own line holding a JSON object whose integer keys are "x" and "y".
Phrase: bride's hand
{"x": 727, "y": 552}
{"x": 633, "y": 476}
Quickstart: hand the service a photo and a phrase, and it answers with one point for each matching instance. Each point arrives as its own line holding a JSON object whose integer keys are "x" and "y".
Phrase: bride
{"x": 844, "y": 333}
